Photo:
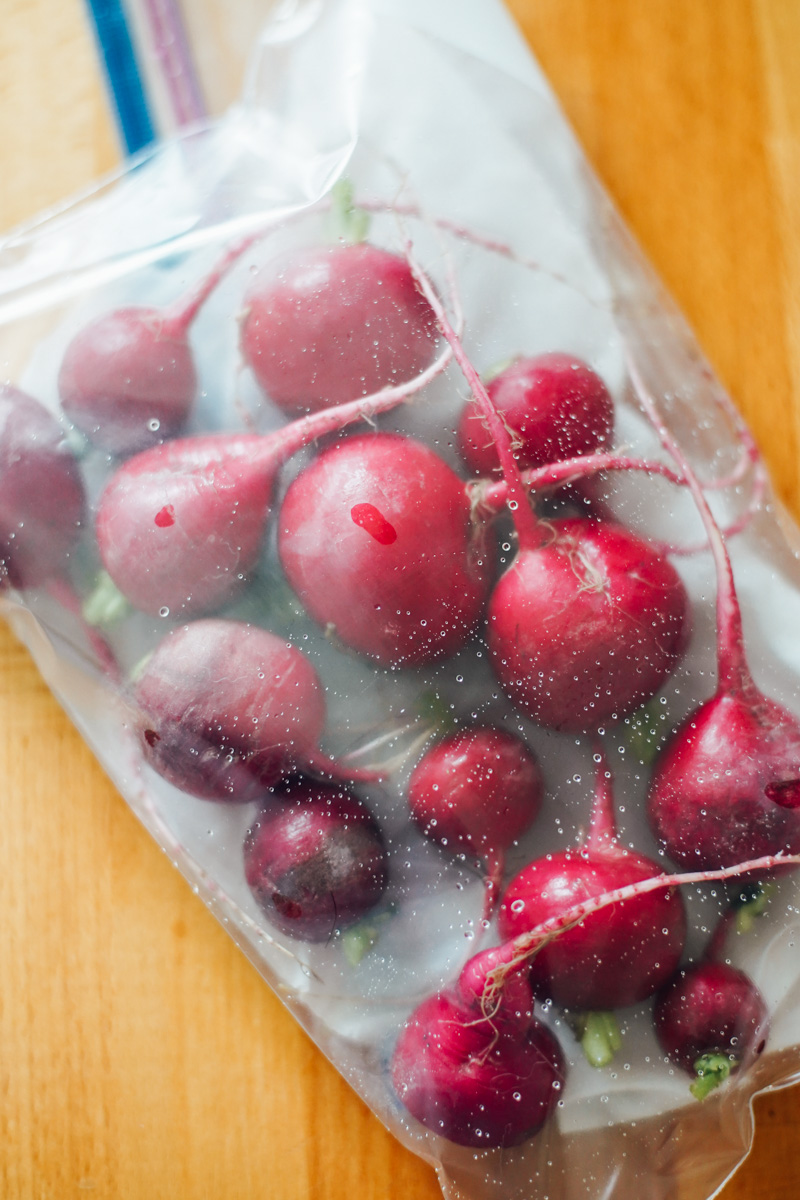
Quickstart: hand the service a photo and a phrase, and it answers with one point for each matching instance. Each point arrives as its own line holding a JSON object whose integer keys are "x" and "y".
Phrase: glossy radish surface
{"x": 376, "y": 538}
{"x": 478, "y": 1080}
{"x": 475, "y": 792}
{"x": 554, "y": 407}
{"x": 226, "y": 710}
{"x": 128, "y": 379}
{"x": 616, "y": 957}
{"x": 315, "y": 860}
{"x": 41, "y": 493}
{"x": 324, "y": 325}
{"x": 586, "y": 626}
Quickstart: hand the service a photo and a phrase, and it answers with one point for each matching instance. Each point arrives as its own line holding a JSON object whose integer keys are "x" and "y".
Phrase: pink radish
{"x": 457, "y": 1063}
{"x": 554, "y": 406}
{"x": 377, "y": 540}
{"x": 478, "y": 1080}
{"x": 42, "y": 500}
{"x": 180, "y": 525}
{"x": 327, "y": 324}
{"x": 588, "y": 621}
{"x": 475, "y": 792}
{"x": 618, "y": 956}
{"x": 711, "y": 1019}
{"x": 225, "y": 710}
{"x": 315, "y": 860}
{"x": 727, "y": 784}
{"x": 128, "y": 379}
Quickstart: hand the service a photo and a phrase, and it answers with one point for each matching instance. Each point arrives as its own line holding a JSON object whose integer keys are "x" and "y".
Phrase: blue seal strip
{"x": 122, "y": 71}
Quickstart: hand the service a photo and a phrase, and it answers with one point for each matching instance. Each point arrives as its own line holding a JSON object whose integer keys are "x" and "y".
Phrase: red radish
{"x": 180, "y": 525}
{"x": 476, "y": 792}
{"x": 554, "y": 406}
{"x": 587, "y": 626}
{"x": 711, "y": 1020}
{"x": 128, "y": 379}
{"x": 620, "y": 955}
{"x": 226, "y": 710}
{"x": 588, "y": 621}
{"x": 41, "y": 493}
{"x": 727, "y": 784}
{"x": 376, "y": 538}
{"x": 458, "y": 1062}
{"x": 330, "y": 323}
{"x": 476, "y": 1079}
{"x": 315, "y": 861}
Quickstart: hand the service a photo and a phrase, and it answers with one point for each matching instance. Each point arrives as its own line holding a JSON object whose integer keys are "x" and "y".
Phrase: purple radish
{"x": 458, "y": 1064}
{"x": 376, "y": 537}
{"x": 615, "y": 958}
{"x": 128, "y": 379}
{"x": 476, "y": 1079}
{"x": 225, "y": 710}
{"x": 327, "y": 324}
{"x": 727, "y": 784}
{"x": 42, "y": 500}
{"x": 554, "y": 406}
{"x": 588, "y": 621}
{"x": 475, "y": 792}
{"x": 315, "y": 861}
{"x": 180, "y": 525}
{"x": 42, "y": 508}
{"x": 711, "y": 1019}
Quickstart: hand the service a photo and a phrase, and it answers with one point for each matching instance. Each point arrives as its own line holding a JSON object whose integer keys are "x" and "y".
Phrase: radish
{"x": 181, "y": 524}
{"x": 617, "y": 957}
{"x": 128, "y": 379}
{"x": 458, "y": 1064}
{"x": 315, "y": 861}
{"x": 711, "y": 1019}
{"x": 588, "y": 621}
{"x": 478, "y": 1080}
{"x": 476, "y": 792}
{"x": 554, "y": 406}
{"x": 42, "y": 499}
{"x": 377, "y": 540}
{"x": 330, "y": 323}
{"x": 225, "y": 710}
{"x": 727, "y": 784}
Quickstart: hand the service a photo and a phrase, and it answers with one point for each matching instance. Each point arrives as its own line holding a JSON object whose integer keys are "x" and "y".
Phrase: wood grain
{"x": 140, "y": 1055}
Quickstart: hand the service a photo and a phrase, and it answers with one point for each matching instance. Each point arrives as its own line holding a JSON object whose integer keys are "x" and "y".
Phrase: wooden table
{"x": 140, "y": 1055}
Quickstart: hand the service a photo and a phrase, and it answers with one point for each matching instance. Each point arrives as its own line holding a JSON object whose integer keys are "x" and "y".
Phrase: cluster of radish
{"x": 393, "y": 553}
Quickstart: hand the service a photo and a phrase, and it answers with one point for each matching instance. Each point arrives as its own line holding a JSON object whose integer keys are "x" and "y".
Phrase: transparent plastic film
{"x": 404, "y": 542}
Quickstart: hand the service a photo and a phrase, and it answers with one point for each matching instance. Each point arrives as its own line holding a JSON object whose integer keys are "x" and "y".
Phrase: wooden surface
{"x": 140, "y": 1055}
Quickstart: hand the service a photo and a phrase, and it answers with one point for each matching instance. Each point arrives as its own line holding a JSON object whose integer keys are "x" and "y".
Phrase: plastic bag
{"x": 535, "y": 228}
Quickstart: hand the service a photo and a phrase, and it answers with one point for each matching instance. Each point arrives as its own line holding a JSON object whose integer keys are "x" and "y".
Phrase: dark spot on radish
{"x": 786, "y": 793}
{"x": 374, "y": 523}
{"x": 151, "y": 737}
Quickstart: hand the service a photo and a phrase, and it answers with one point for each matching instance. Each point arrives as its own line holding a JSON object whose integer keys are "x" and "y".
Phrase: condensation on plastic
{"x": 330, "y": 94}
